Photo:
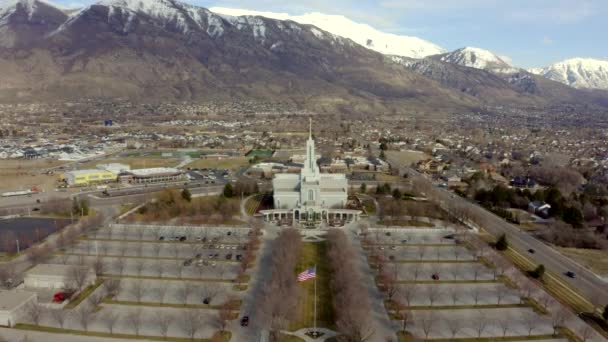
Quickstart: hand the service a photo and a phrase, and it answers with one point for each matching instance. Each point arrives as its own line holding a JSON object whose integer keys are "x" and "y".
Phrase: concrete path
{"x": 384, "y": 328}
{"x": 302, "y": 334}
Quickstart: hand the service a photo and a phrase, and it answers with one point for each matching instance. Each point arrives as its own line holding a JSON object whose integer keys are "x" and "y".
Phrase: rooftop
{"x": 154, "y": 171}
{"x": 11, "y": 299}
{"x": 52, "y": 269}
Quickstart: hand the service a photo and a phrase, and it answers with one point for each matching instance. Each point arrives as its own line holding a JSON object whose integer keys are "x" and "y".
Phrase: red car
{"x": 60, "y": 297}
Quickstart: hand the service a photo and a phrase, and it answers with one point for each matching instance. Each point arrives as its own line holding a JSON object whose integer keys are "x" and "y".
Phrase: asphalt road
{"x": 586, "y": 282}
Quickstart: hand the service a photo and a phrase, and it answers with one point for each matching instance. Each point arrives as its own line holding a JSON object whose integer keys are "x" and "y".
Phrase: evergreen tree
{"x": 363, "y": 188}
{"x": 397, "y": 194}
{"x": 186, "y": 195}
{"x": 605, "y": 313}
{"x": 538, "y": 272}
{"x": 228, "y": 191}
{"x": 502, "y": 244}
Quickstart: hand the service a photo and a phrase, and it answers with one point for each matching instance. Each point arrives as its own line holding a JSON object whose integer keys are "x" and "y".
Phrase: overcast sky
{"x": 531, "y": 32}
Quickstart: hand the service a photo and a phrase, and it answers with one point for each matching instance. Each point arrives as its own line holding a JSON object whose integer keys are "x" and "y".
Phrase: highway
{"x": 593, "y": 288}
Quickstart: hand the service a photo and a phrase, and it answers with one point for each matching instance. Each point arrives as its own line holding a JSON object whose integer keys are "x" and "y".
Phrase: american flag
{"x": 308, "y": 274}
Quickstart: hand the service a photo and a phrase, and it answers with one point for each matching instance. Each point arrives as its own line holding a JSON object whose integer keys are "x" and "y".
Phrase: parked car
{"x": 245, "y": 321}
{"x": 206, "y": 300}
{"x": 61, "y": 296}
{"x": 182, "y": 238}
{"x": 187, "y": 262}
{"x": 435, "y": 276}
{"x": 229, "y": 256}
{"x": 570, "y": 274}
{"x": 531, "y": 251}
{"x": 449, "y": 237}
{"x": 161, "y": 238}
{"x": 239, "y": 257}
{"x": 229, "y": 233}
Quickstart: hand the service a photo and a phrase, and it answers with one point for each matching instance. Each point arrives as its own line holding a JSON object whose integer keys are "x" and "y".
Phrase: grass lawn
{"x": 369, "y": 206}
{"x": 596, "y": 260}
{"x": 84, "y": 294}
{"x": 407, "y": 157}
{"x": 253, "y": 203}
{"x": 310, "y": 255}
{"x": 232, "y": 163}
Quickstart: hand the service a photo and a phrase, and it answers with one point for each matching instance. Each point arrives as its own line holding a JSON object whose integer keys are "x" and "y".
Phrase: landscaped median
{"x": 224, "y": 335}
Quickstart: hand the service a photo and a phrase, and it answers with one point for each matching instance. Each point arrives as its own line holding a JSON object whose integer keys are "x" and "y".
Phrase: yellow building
{"x": 86, "y": 177}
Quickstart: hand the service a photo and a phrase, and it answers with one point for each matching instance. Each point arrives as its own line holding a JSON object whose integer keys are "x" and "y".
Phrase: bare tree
{"x": 454, "y": 294}
{"x": 156, "y": 247}
{"x": 109, "y": 319}
{"x": 137, "y": 290}
{"x": 475, "y": 292}
{"x": 427, "y": 322}
{"x": 454, "y": 325}
{"x": 223, "y": 316}
{"x": 408, "y": 291}
{"x": 98, "y": 266}
{"x": 134, "y": 318}
{"x": 59, "y": 316}
{"x": 34, "y": 312}
{"x": 209, "y": 291}
{"x": 530, "y": 322}
{"x": 163, "y": 320}
{"x": 558, "y": 317}
{"x": 505, "y": 325}
{"x": 139, "y": 266}
{"x": 190, "y": 322}
{"x": 112, "y": 286}
{"x": 160, "y": 269}
{"x": 184, "y": 292}
{"x": 500, "y": 292}
{"x": 84, "y": 316}
{"x": 78, "y": 276}
{"x": 119, "y": 265}
{"x": 481, "y": 323}
{"x": 96, "y": 299}
{"x": 433, "y": 293}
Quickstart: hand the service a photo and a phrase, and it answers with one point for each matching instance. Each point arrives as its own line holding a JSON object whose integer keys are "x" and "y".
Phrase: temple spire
{"x": 309, "y": 128}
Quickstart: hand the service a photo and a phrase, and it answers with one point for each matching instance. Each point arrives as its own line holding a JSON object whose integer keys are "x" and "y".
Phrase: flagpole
{"x": 315, "y": 318}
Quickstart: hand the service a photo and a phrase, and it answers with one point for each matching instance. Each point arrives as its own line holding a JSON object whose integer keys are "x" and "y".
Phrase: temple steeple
{"x": 310, "y": 164}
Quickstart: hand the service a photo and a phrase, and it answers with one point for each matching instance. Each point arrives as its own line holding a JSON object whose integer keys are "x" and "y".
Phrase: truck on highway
{"x": 28, "y": 192}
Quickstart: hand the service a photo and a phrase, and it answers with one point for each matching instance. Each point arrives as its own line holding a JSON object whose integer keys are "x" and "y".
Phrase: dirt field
{"x": 23, "y": 174}
{"x": 408, "y": 157}
{"x": 228, "y": 163}
{"x": 596, "y": 260}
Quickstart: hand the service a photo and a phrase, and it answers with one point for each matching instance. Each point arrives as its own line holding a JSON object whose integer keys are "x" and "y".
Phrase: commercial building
{"x": 54, "y": 276}
{"x": 13, "y": 305}
{"x": 87, "y": 177}
{"x": 115, "y": 168}
{"x": 152, "y": 175}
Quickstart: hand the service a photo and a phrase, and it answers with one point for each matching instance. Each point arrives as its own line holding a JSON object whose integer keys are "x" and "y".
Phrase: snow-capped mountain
{"x": 362, "y": 34}
{"x": 577, "y": 72}
{"x": 24, "y": 21}
{"x": 476, "y": 58}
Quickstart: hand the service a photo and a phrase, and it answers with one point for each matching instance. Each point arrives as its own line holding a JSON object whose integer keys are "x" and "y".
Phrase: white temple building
{"x": 310, "y": 198}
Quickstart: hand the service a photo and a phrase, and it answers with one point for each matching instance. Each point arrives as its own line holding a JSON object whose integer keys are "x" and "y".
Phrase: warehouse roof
{"x": 12, "y": 299}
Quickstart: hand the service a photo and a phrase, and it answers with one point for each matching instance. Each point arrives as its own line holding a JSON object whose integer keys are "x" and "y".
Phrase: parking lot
{"x": 449, "y": 288}
{"x": 180, "y": 274}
